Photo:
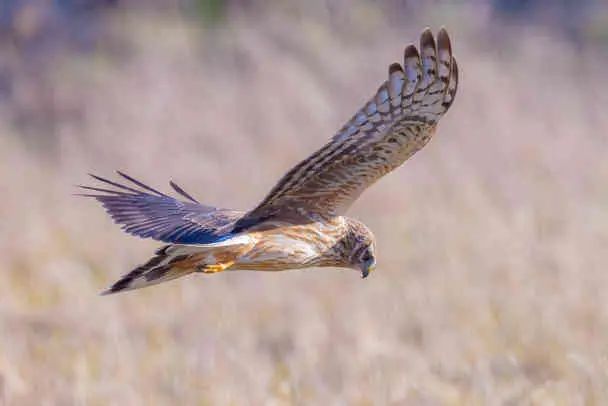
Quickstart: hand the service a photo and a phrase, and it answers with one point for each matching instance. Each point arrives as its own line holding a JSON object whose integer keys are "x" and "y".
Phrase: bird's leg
{"x": 215, "y": 267}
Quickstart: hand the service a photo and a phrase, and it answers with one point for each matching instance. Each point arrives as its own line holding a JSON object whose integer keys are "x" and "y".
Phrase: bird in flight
{"x": 301, "y": 223}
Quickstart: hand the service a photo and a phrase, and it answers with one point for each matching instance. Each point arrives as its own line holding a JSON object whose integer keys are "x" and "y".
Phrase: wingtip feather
{"x": 394, "y": 68}
{"x": 411, "y": 52}
{"x": 443, "y": 40}
{"x": 182, "y": 192}
{"x": 427, "y": 40}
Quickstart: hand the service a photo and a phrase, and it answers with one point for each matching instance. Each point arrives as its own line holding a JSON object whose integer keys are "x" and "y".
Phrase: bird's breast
{"x": 290, "y": 247}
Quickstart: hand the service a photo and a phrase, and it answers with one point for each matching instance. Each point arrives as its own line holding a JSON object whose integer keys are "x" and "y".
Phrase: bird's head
{"x": 361, "y": 248}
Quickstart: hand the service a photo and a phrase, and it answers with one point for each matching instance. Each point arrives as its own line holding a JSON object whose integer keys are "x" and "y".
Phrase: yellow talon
{"x": 217, "y": 267}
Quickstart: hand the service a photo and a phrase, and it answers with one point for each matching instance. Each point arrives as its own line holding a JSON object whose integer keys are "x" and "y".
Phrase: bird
{"x": 302, "y": 222}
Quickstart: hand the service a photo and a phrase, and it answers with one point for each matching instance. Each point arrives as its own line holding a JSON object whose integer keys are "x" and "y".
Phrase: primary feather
{"x": 148, "y": 213}
{"x": 393, "y": 125}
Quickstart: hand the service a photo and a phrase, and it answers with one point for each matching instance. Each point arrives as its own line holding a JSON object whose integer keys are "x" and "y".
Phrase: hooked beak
{"x": 368, "y": 266}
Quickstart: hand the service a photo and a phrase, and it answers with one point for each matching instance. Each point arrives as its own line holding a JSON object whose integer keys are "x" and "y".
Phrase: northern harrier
{"x": 301, "y": 222}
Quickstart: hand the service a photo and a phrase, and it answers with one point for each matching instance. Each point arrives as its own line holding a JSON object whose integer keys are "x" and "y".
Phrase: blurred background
{"x": 491, "y": 280}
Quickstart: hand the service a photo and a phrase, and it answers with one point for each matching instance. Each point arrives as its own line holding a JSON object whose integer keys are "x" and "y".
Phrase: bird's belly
{"x": 278, "y": 252}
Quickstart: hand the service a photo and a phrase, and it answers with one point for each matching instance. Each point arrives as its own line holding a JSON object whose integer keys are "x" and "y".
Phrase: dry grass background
{"x": 490, "y": 288}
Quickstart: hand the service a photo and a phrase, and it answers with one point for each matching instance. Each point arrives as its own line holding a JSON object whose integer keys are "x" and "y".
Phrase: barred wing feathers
{"x": 397, "y": 122}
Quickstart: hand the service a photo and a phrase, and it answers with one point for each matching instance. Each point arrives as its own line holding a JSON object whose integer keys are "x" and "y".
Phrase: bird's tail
{"x": 174, "y": 261}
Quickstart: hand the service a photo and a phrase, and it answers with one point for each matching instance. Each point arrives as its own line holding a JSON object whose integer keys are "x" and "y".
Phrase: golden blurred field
{"x": 490, "y": 287}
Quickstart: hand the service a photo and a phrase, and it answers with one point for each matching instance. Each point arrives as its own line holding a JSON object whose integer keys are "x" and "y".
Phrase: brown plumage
{"x": 301, "y": 222}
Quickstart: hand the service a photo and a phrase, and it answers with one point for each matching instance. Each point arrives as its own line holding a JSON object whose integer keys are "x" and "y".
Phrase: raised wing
{"x": 398, "y": 121}
{"x": 148, "y": 213}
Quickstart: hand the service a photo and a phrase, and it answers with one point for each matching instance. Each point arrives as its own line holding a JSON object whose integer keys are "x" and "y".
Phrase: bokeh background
{"x": 492, "y": 275}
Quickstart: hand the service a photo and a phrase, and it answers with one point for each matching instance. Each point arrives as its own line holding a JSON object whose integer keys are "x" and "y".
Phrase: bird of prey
{"x": 301, "y": 223}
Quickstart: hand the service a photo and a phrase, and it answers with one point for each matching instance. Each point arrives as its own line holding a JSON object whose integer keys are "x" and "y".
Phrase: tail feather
{"x": 177, "y": 260}
{"x": 163, "y": 267}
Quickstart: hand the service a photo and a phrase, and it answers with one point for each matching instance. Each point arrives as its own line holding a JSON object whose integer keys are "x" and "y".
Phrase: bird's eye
{"x": 366, "y": 256}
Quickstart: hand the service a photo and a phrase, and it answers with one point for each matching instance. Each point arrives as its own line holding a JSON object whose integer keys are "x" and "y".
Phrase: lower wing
{"x": 148, "y": 213}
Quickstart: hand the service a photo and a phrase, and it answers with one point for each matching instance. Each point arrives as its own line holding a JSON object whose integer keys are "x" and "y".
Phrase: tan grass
{"x": 490, "y": 288}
